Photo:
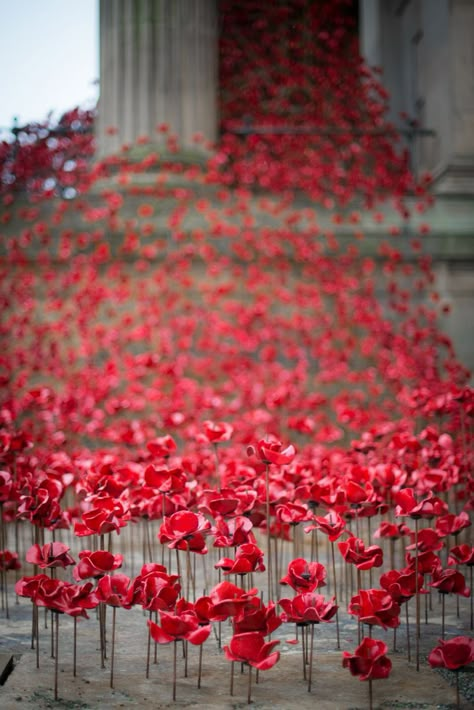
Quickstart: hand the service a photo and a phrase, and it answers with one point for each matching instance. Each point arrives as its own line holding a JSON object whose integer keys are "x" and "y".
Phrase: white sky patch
{"x": 48, "y": 58}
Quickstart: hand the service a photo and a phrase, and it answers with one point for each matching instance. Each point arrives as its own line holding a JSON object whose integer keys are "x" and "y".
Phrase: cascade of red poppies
{"x": 193, "y": 368}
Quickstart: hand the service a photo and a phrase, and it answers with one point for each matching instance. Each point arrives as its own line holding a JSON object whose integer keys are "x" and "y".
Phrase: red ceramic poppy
{"x": 78, "y": 598}
{"x": 107, "y": 515}
{"x": 407, "y": 504}
{"x": 292, "y": 513}
{"x": 308, "y": 608}
{"x": 218, "y": 504}
{"x": 53, "y": 554}
{"x": 453, "y": 654}
{"x": 27, "y": 586}
{"x": 391, "y": 531}
{"x": 332, "y": 525}
{"x": 114, "y": 590}
{"x": 162, "y": 446}
{"x": 185, "y": 530}
{"x": 154, "y": 588}
{"x": 375, "y": 607}
{"x": 166, "y": 480}
{"x": 272, "y": 451}
{"x": 255, "y": 616}
{"x": 96, "y": 564}
{"x": 251, "y": 648}
{"x": 427, "y": 540}
{"x": 461, "y": 555}
{"x": 228, "y": 599}
{"x": 449, "y": 581}
{"x": 368, "y": 661}
{"x": 426, "y": 561}
{"x": 248, "y": 558}
{"x": 354, "y": 551}
{"x": 217, "y": 432}
{"x": 42, "y": 507}
{"x": 401, "y": 584}
{"x": 9, "y": 560}
{"x": 303, "y": 576}
{"x": 452, "y": 524}
{"x": 234, "y": 532}
{"x": 50, "y": 593}
{"x": 184, "y": 624}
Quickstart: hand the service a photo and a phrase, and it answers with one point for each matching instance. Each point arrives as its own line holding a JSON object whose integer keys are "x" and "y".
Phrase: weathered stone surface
{"x": 425, "y": 50}
{"x": 158, "y": 64}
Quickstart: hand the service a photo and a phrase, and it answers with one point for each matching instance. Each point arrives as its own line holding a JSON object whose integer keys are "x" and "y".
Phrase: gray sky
{"x": 48, "y": 57}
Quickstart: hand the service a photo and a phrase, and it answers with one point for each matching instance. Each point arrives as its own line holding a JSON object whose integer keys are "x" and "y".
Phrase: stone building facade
{"x": 425, "y": 49}
{"x": 159, "y": 64}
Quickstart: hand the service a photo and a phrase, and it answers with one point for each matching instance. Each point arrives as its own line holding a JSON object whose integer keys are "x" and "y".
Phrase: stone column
{"x": 426, "y": 51}
{"x": 158, "y": 64}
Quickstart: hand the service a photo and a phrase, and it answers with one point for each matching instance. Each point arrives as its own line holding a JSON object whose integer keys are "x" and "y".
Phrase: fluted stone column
{"x": 158, "y": 64}
{"x": 426, "y": 51}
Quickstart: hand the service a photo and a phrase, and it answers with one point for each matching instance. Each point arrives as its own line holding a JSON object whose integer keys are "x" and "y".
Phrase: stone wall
{"x": 158, "y": 64}
{"x": 426, "y": 51}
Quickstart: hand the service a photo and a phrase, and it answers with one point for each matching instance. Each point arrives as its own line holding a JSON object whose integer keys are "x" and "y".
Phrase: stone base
{"x": 456, "y": 178}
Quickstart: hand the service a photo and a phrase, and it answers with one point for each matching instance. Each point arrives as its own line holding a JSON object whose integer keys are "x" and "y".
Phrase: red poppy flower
{"x": 449, "y": 581}
{"x": 96, "y": 564}
{"x": 356, "y": 494}
{"x": 332, "y": 525}
{"x": 292, "y": 513}
{"x": 114, "y": 590}
{"x": 5, "y": 486}
{"x": 234, "y": 532}
{"x": 42, "y": 507}
{"x": 391, "y": 531}
{"x": 308, "y": 608}
{"x": 182, "y": 625}
{"x": 255, "y": 616}
{"x": 368, "y": 661}
{"x": 185, "y": 530}
{"x": 248, "y": 558}
{"x": 155, "y": 590}
{"x": 165, "y": 480}
{"x": 354, "y": 551}
{"x": 252, "y": 649}
{"x": 78, "y": 598}
{"x": 452, "y": 524}
{"x": 401, "y": 584}
{"x": 218, "y": 504}
{"x": 228, "y": 599}
{"x": 428, "y": 539}
{"x": 162, "y": 446}
{"x": 407, "y": 504}
{"x": 9, "y": 560}
{"x": 461, "y": 555}
{"x": 454, "y": 654}
{"x": 375, "y": 607}
{"x": 217, "y": 432}
{"x": 272, "y": 451}
{"x": 426, "y": 561}
{"x": 107, "y": 515}
{"x": 27, "y": 586}
{"x": 50, "y": 593}
{"x": 203, "y": 606}
{"x": 53, "y": 554}
{"x": 304, "y": 576}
